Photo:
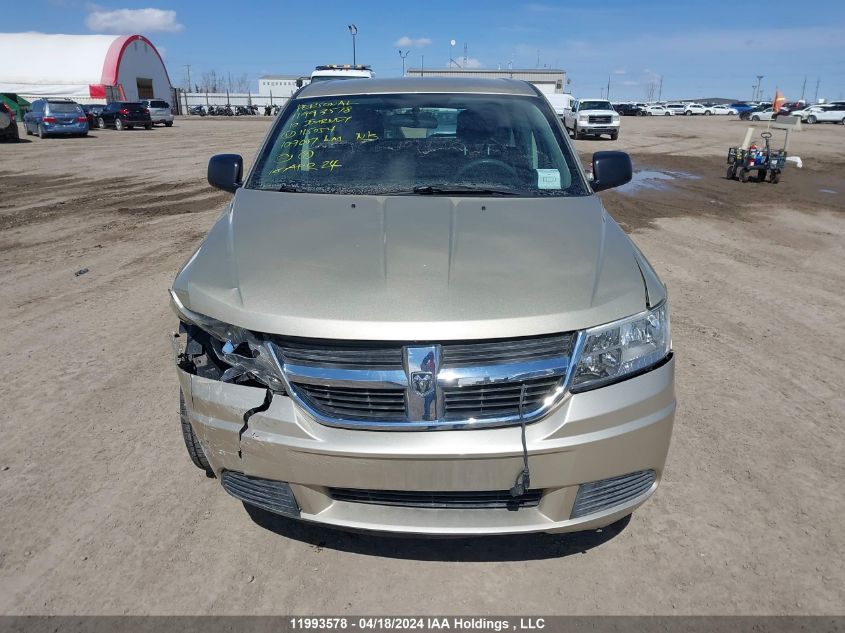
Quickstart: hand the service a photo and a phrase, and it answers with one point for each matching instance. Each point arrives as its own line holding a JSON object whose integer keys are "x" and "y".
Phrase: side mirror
{"x": 226, "y": 171}
{"x": 611, "y": 169}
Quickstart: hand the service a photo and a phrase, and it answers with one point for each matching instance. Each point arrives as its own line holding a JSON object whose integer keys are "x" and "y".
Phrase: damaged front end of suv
{"x": 416, "y": 317}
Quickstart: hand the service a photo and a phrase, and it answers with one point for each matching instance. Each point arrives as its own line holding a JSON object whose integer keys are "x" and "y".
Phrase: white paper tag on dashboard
{"x": 548, "y": 179}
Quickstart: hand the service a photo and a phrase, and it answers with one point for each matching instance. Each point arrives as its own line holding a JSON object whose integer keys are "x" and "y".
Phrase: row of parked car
{"x": 833, "y": 112}
{"x": 65, "y": 117}
{"x": 672, "y": 109}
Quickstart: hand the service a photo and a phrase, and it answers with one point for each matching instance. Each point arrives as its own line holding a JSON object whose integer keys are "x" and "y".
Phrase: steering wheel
{"x": 487, "y": 162}
{"x": 766, "y": 134}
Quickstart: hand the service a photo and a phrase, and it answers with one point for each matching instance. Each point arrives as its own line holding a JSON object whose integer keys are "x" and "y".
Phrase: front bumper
{"x": 612, "y": 431}
{"x": 597, "y": 128}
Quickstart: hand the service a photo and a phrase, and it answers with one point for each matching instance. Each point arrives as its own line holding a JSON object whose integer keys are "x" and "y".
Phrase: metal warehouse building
{"x": 547, "y": 80}
{"x": 86, "y": 68}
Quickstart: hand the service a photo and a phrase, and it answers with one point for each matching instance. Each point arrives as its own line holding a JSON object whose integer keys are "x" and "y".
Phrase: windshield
{"x": 595, "y": 105}
{"x": 418, "y": 143}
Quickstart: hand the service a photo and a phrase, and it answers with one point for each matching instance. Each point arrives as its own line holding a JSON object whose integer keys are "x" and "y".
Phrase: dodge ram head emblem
{"x": 422, "y": 382}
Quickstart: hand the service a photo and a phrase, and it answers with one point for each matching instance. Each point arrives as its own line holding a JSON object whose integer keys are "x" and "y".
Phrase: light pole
{"x": 451, "y": 52}
{"x": 607, "y": 96}
{"x": 758, "y": 93}
{"x": 353, "y": 31}
{"x": 403, "y": 56}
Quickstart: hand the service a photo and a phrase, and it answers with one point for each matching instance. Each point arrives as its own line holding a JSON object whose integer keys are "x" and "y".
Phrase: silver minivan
{"x": 159, "y": 111}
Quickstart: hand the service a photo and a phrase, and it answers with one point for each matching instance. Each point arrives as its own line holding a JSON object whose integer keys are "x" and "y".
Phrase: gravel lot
{"x": 102, "y": 511}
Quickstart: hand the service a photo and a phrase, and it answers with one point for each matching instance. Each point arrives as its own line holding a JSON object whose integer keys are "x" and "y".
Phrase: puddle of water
{"x": 827, "y": 190}
{"x": 652, "y": 179}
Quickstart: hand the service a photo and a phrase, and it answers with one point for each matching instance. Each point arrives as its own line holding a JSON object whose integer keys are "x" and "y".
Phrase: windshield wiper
{"x": 287, "y": 189}
{"x": 429, "y": 190}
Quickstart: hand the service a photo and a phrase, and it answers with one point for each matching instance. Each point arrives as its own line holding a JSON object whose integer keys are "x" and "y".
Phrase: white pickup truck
{"x": 592, "y": 117}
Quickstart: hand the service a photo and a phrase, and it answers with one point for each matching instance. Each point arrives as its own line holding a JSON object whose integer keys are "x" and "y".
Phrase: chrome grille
{"x": 598, "y": 496}
{"x": 471, "y": 500}
{"x": 506, "y": 351}
{"x": 326, "y": 354}
{"x": 395, "y": 386}
{"x": 275, "y": 496}
{"x": 354, "y": 402}
{"x": 600, "y": 118}
{"x": 498, "y": 399}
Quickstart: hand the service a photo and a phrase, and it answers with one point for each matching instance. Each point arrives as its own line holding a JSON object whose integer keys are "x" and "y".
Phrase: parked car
{"x": 160, "y": 111}
{"x": 92, "y": 111}
{"x": 788, "y": 108}
{"x": 8, "y": 125}
{"x": 55, "y": 117}
{"x": 722, "y": 110}
{"x": 658, "y": 110}
{"x": 741, "y": 106}
{"x": 629, "y": 109}
{"x": 197, "y": 110}
{"x": 382, "y": 382}
{"x": 676, "y": 108}
{"x": 765, "y": 114}
{"x": 746, "y": 115}
{"x": 124, "y": 115}
{"x": 592, "y": 117}
{"x": 697, "y": 108}
{"x": 823, "y": 114}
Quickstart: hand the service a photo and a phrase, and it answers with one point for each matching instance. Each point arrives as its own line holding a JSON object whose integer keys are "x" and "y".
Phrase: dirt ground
{"x": 101, "y": 511}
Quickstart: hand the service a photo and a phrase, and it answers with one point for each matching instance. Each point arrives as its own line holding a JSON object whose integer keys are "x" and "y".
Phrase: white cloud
{"x": 619, "y": 72}
{"x": 411, "y": 42}
{"x": 133, "y": 21}
{"x": 471, "y": 62}
{"x": 630, "y": 82}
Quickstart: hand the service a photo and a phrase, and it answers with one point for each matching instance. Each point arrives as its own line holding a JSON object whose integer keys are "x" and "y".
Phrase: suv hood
{"x": 412, "y": 267}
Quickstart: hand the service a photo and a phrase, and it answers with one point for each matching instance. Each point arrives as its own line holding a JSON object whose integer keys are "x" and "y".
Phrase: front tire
{"x": 688, "y": 113}
{"x": 192, "y": 443}
{"x": 707, "y": 113}
{"x": 755, "y": 118}
{"x": 168, "y": 124}
{"x": 667, "y": 114}
{"x": 101, "y": 123}
{"x": 614, "y": 136}
{"x": 812, "y": 120}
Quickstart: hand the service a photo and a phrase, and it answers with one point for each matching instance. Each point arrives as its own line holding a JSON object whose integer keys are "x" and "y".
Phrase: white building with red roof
{"x": 86, "y": 68}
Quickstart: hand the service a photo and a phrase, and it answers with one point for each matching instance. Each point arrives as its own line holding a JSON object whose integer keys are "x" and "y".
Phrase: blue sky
{"x": 700, "y": 49}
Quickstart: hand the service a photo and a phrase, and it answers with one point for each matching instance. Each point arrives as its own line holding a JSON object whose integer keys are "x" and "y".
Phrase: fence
{"x": 187, "y": 99}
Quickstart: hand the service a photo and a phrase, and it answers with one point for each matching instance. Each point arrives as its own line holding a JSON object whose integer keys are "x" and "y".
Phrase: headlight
{"x": 622, "y": 348}
{"x": 582, "y": 117}
{"x": 243, "y": 351}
